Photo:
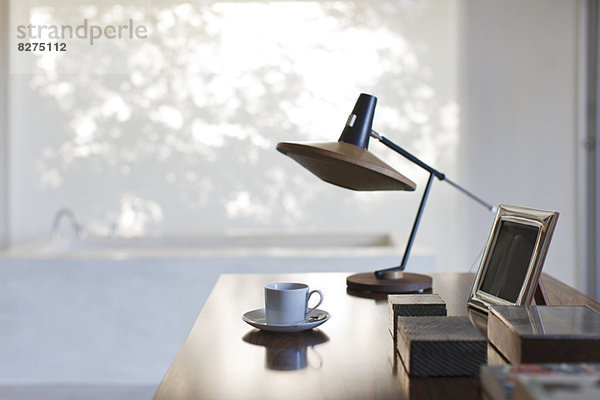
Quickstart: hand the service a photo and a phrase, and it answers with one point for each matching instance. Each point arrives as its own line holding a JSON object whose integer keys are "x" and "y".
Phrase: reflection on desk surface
{"x": 289, "y": 351}
{"x": 439, "y": 387}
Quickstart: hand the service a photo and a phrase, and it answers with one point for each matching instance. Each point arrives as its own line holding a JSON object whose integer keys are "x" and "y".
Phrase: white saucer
{"x": 258, "y": 319}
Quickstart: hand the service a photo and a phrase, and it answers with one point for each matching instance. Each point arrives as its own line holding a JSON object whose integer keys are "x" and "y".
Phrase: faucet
{"x": 78, "y": 228}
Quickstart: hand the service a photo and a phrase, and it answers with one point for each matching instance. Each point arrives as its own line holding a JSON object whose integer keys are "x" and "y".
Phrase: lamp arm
{"x": 407, "y": 155}
{"x": 413, "y": 233}
{"x": 431, "y": 170}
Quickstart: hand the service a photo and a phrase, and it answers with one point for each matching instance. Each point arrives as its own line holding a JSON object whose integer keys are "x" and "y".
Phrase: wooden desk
{"x": 351, "y": 356}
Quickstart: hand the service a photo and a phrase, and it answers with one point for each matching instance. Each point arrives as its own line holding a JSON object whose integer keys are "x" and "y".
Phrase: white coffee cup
{"x": 287, "y": 303}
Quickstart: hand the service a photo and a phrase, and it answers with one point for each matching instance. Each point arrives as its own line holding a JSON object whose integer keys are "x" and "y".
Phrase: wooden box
{"x": 545, "y": 334}
{"x": 440, "y": 346}
{"x": 413, "y": 305}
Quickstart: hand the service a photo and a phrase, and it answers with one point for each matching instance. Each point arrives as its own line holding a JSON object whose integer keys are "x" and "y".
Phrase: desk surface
{"x": 351, "y": 356}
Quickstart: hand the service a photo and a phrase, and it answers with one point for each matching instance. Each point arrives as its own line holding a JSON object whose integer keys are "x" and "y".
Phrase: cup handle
{"x": 308, "y": 298}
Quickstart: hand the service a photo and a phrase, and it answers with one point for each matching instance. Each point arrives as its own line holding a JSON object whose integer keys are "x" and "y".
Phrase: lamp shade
{"x": 346, "y": 165}
{"x": 347, "y": 162}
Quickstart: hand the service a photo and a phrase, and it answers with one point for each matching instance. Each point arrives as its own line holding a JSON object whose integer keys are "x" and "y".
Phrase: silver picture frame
{"x": 513, "y": 258}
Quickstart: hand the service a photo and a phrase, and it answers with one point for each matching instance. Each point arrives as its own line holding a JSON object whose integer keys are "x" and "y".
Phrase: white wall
{"x": 183, "y": 137}
{"x": 3, "y": 124}
{"x": 520, "y": 97}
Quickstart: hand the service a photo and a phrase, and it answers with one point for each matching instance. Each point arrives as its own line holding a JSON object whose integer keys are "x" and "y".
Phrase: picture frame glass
{"x": 513, "y": 258}
{"x": 510, "y": 260}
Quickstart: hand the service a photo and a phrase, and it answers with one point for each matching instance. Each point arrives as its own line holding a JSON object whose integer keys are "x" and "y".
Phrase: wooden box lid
{"x": 545, "y": 334}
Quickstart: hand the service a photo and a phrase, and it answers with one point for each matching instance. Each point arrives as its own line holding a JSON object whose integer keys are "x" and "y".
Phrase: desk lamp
{"x": 349, "y": 164}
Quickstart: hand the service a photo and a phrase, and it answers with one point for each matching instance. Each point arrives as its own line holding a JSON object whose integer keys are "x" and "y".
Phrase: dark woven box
{"x": 414, "y": 305}
{"x": 440, "y": 346}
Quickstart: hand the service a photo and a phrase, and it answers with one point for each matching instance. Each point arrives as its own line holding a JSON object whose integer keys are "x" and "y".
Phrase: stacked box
{"x": 440, "y": 346}
{"x": 413, "y": 305}
{"x": 545, "y": 334}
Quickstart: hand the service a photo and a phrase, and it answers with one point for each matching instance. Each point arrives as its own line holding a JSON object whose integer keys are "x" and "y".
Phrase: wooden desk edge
{"x": 560, "y": 293}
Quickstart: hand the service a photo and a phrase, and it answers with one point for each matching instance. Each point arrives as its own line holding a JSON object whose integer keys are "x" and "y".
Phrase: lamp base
{"x": 369, "y": 282}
